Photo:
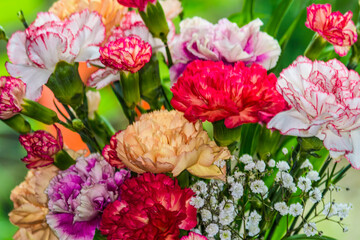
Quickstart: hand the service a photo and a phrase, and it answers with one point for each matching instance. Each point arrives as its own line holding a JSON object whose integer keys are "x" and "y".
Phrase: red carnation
{"x": 151, "y": 207}
{"x": 212, "y": 91}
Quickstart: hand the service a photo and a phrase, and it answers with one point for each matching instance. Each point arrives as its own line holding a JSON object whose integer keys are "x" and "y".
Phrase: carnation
{"x": 213, "y": 91}
{"x": 12, "y": 92}
{"x": 224, "y": 41}
{"x": 151, "y": 207}
{"x": 164, "y": 141}
{"x": 324, "y": 97}
{"x": 78, "y": 195}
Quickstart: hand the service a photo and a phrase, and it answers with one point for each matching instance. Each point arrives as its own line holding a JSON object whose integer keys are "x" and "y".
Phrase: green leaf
{"x": 303, "y": 236}
{"x": 98, "y": 236}
{"x": 277, "y": 16}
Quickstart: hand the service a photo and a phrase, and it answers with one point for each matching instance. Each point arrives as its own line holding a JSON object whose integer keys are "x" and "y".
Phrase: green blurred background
{"x": 12, "y": 170}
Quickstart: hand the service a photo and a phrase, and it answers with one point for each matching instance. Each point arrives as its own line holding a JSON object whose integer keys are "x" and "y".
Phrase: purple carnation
{"x": 224, "y": 41}
{"x": 78, "y": 195}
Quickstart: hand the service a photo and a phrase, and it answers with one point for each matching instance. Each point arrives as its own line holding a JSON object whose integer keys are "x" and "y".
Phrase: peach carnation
{"x": 30, "y": 205}
{"x": 110, "y": 10}
{"x": 164, "y": 141}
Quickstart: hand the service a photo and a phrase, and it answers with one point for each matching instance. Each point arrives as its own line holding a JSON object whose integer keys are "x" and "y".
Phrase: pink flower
{"x": 35, "y": 52}
{"x": 110, "y": 154}
{"x": 325, "y": 97}
{"x": 194, "y": 236}
{"x": 150, "y": 207}
{"x": 336, "y": 28}
{"x": 41, "y": 147}
{"x": 12, "y": 92}
{"x": 212, "y": 91}
{"x": 140, "y": 4}
{"x": 128, "y": 54}
{"x": 224, "y": 41}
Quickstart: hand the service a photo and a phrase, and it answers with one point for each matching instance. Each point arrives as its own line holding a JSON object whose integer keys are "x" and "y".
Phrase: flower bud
{"x": 150, "y": 82}
{"x": 18, "y": 123}
{"x": 41, "y": 147}
{"x": 127, "y": 54}
{"x": 140, "y": 4}
{"x": 39, "y": 112}
{"x": 154, "y": 19}
{"x": 131, "y": 89}
{"x": 93, "y": 99}
{"x": 224, "y": 136}
{"x": 78, "y": 125}
{"x": 66, "y": 84}
{"x": 12, "y": 92}
{"x": 3, "y": 34}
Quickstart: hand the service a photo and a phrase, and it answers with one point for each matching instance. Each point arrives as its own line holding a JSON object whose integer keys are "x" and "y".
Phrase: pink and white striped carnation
{"x": 12, "y": 92}
{"x": 224, "y": 41}
{"x": 78, "y": 196}
{"x": 325, "y": 100}
{"x": 140, "y": 4}
{"x": 336, "y": 28}
{"x": 194, "y": 236}
{"x": 35, "y": 52}
{"x": 41, "y": 147}
{"x": 127, "y": 54}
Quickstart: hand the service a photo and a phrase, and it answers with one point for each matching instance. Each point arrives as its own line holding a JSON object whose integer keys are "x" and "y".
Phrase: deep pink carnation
{"x": 151, "y": 207}
{"x": 140, "y": 4}
{"x": 336, "y": 28}
{"x": 194, "y": 236}
{"x": 41, "y": 147}
{"x": 110, "y": 154}
{"x": 212, "y": 91}
{"x": 129, "y": 54}
{"x": 12, "y": 92}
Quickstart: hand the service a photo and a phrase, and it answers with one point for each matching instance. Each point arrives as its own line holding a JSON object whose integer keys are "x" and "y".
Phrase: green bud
{"x": 225, "y": 136}
{"x": 78, "y": 125}
{"x": 131, "y": 89}
{"x": 150, "y": 83}
{"x": 66, "y": 84}
{"x": 268, "y": 142}
{"x": 63, "y": 160}
{"x": 21, "y": 17}
{"x": 154, "y": 18}
{"x": 38, "y": 112}
{"x": 3, "y": 34}
{"x": 18, "y": 123}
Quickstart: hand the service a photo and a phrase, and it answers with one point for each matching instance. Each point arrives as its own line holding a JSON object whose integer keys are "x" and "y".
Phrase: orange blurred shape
{"x": 71, "y": 139}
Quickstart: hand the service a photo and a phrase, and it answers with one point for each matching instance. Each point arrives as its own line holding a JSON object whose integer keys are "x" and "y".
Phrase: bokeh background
{"x": 12, "y": 170}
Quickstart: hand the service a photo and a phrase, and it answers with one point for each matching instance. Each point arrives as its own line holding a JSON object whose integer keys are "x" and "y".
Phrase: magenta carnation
{"x": 78, "y": 196}
{"x": 140, "y": 4}
{"x": 325, "y": 97}
{"x": 336, "y": 28}
{"x": 212, "y": 91}
{"x": 41, "y": 147}
{"x": 12, "y": 92}
{"x": 128, "y": 54}
{"x": 151, "y": 207}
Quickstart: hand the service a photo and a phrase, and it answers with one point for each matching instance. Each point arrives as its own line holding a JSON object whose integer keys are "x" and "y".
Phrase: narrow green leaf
{"x": 277, "y": 17}
{"x": 304, "y": 237}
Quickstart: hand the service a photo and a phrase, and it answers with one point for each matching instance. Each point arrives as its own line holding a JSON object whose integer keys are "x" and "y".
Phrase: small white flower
{"x": 220, "y": 163}
{"x": 310, "y": 229}
{"x": 271, "y": 163}
{"x": 313, "y": 176}
{"x": 283, "y": 166}
{"x": 227, "y": 206}
{"x": 246, "y": 159}
{"x": 230, "y": 179}
{"x": 212, "y": 229}
{"x": 254, "y": 218}
{"x": 343, "y": 209}
{"x": 253, "y": 230}
{"x": 197, "y": 202}
{"x": 249, "y": 167}
{"x": 304, "y": 184}
{"x": 196, "y": 230}
{"x": 236, "y": 190}
{"x": 260, "y": 166}
{"x": 282, "y": 208}
{"x": 315, "y": 195}
{"x": 345, "y": 229}
{"x": 233, "y": 158}
{"x": 258, "y": 186}
{"x": 286, "y": 179}
{"x": 285, "y": 151}
{"x": 330, "y": 210}
{"x": 213, "y": 202}
{"x": 205, "y": 215}
{"x": 225, "y": 235}
{"x": 238, "y": 175}
{"x": 295, "y": 209}
{"x": 306, "y": 164}
{"x": 226, "y": 218}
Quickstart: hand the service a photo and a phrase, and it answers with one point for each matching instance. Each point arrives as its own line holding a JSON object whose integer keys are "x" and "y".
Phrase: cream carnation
{"x": 165, "y": 141}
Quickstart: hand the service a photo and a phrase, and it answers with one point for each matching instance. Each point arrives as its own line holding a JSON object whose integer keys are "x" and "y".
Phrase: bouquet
{"x": 215, "y": 145}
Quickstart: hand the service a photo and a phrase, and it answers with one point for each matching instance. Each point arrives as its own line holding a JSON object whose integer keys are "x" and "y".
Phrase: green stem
{"x": 130, "y": 115}
{"x": 167, "y": 103}
{"x": 315, "y": 47}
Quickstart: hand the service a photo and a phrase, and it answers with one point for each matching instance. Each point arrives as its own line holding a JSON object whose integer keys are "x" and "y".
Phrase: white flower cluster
{"x": 252, "y": 164}
{"x": 252, "y": 223}
{"x": 337, "y": 209}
